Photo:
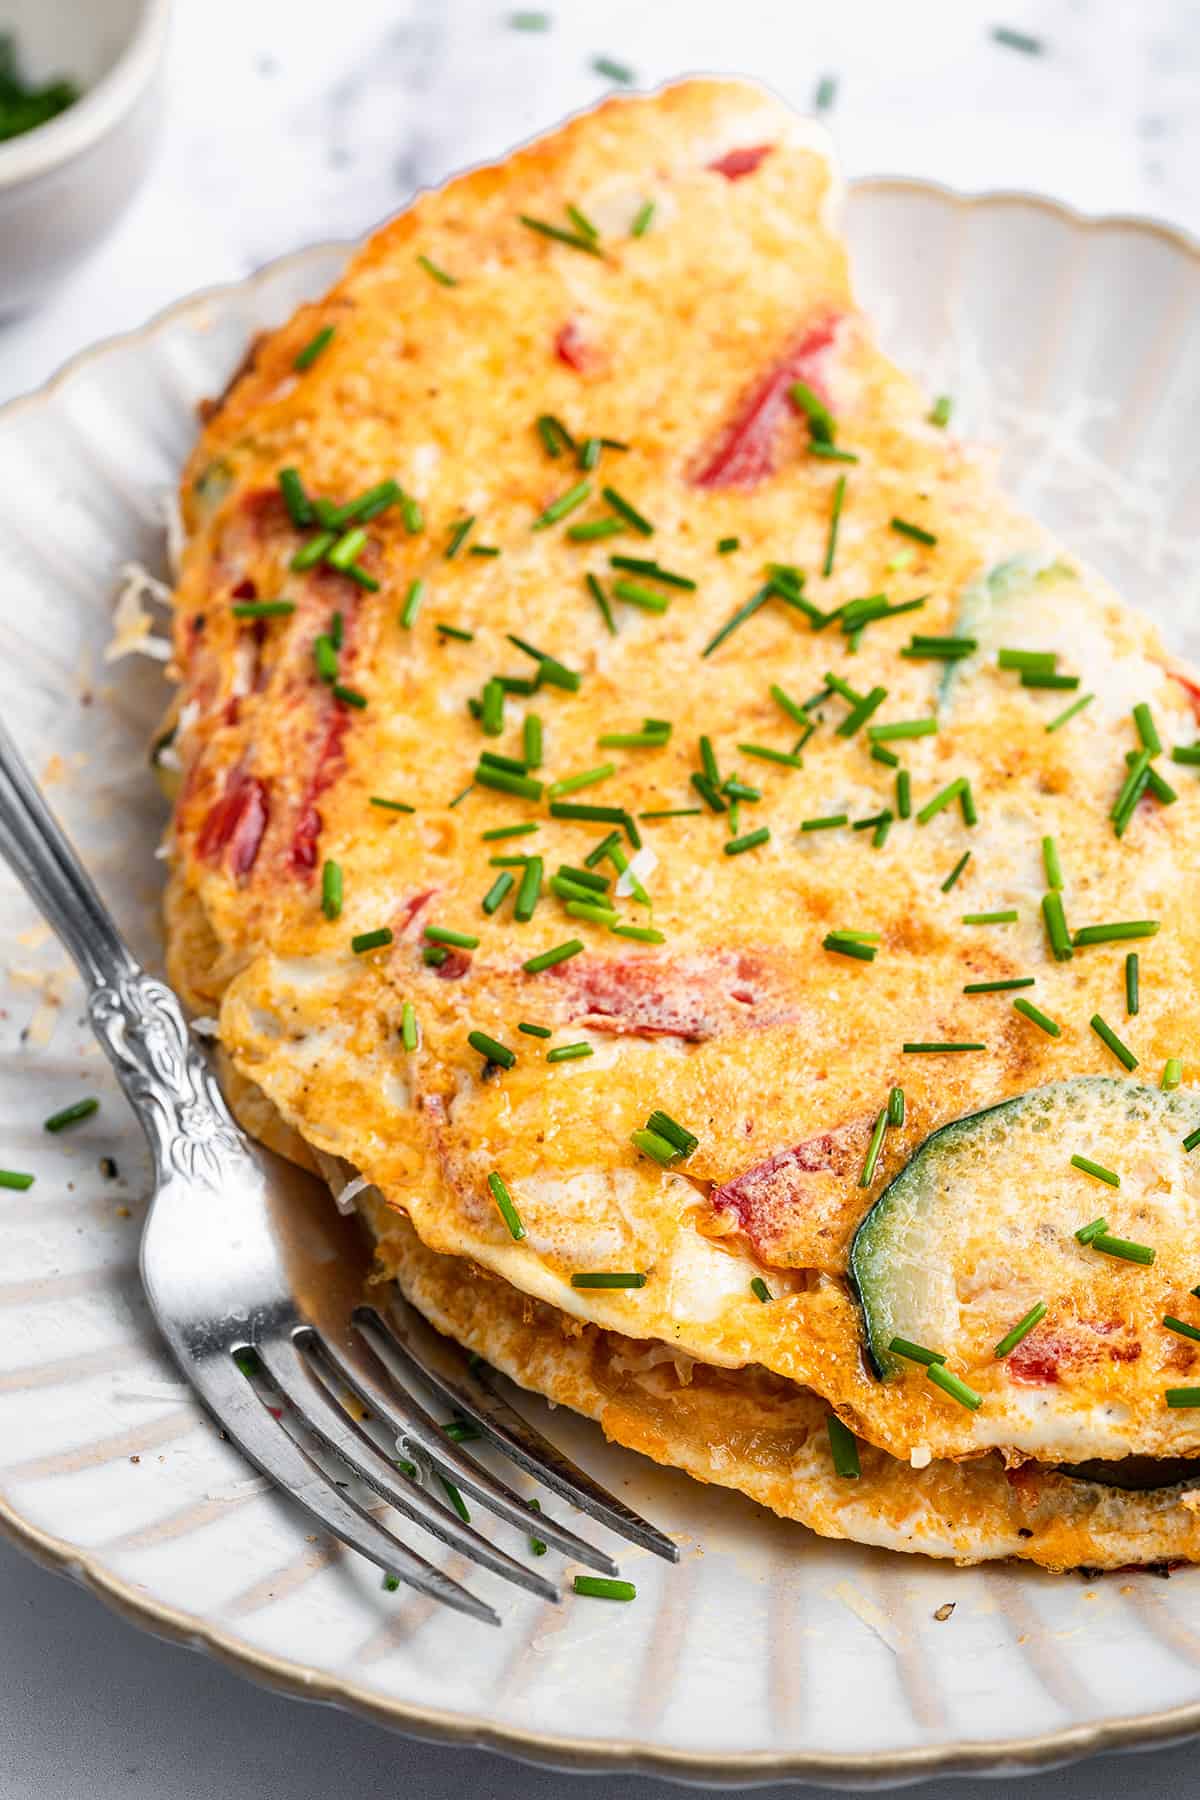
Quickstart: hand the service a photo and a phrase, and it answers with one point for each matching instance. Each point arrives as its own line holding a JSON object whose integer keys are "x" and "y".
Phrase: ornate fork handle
{"x": 137, "y": 1018}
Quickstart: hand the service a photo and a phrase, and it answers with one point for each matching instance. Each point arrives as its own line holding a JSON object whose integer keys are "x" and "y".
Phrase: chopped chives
{"x": 1086, "y": 1233}
{"x": 1006, "y": 917}
{"x": 746, "y": 611}
{"x": 939, "y": 649}
{"x": 841, "y": 944}
{"x": 601, "y": 598}
{"x": 505, "y": 1207}
{"x": 1162, "y": 790}
{"x": 71, "y": 1115}
{"x": 549, "y": 667}
{"x": 1172, "y": 1074}
{"x": 331, "y": 890}
{"x": 299, "y": 506}
{"x": 311, "y": 553}
{"x": 308, "y": 356}
{"x": 604, "y": 1587}
{"x": 347, "y": 549}
{"x": 569, "y": 1052}
{"x": 484, "y": 550}
{"x": 526, "y": 787}
{"x": 652, "y": 1144}
{"x": 1064, "y": 717}
{"x": 939, "y": 413}
{"x": 642, "y": 218}
{"x": 531, "y": 741}
{"x": 1107, "y": 1035}
{"x": 956, "y": 871}
{"x": 1132, "y": 985}
{"x": 674, "y": 812}
{"x": 826, "y": 824}
{"x": 412, "y": 604}
{"x": 1021, "y": 1329}
{"x": 915, "y": 1352}
{"x": 1130, "y": 792}
{"x": 458, "y": 537}
{"x": 529, "y": 891}
{"x": 602, "y": 849}
{"x": 642, "y": 565}
{"x": 574, "y": 239}
{"x": 916, "y": 532}
{"x": 1054, "y": 877}
{"x": 1185, "y": 753}
{"x": 820, "y": 419}
{"x": 895, "y": 1106}
{"x": 859, "y": 714}
{"x": 955, "y": 1386}
{"x": 570, "y": 784}
{"x": 537, "y": 1031}
{"x": 830, "y": 452}
{"x": 566, "y": 503}
{"x": 460, "y": 940}
{"x": 588, "y": 530}
{"x": 1191, "y": 1140}
{"x": 1182, "y": 1396}
{"x": 1180, "y": 1329}
{"x": 642, "y": 934}
{"x": 760, "y": 1290}
{"x": 410, "y": 1034}
{"x": 399, "y": 806}
{"x": 433, "y": 955}
{"x": 1097, "y": 1169}
{"x": 595, "y": 911}
{"x": 1030, "y": 662}
{"x": 934, "y": 1049}
{"x": 1000, "y": 987}
{"x": 1035, "y": 679}
{"x": 497, "y": 893}
{"x": 582, "y": 223}
{"x": 491, "y": 712}
{"x": 726, "y": 544}
{"x": 843, "y": 1449}
{"x": 1122, "y": 1249}
{"x": 349, "y": 696}
{"x": 946, "y": 797}
{"x": 608, "y": 1280}
{"x": 785, "y": 702}
{"x": 628, "y": 512}
{"x": 371, "y": 940}
{"x": 549, "y": 958}
{"x": 904, "y": 799}
{"x": 1037, "y": 1017}
{"x": 749, "y": 840}
{"x": 262, "y": 609}
{"x": 1114, "y": 934}
{"x": 787, "y": 758}
{"x": 1055, "y": 922}
{"x": 638, "y": 595}
{"x": 1146, "y": 729}
{"x": 454, "y": 631}
{"x": 873, "y": 1148}
{"x": 554, "y": 435}
{"x": 835, "y": 517}
{"x": 646, "y": 739}
{"x": 902, "y": 728}
{"x": 600, "y": 815}
{"x": 491, "y": 1049}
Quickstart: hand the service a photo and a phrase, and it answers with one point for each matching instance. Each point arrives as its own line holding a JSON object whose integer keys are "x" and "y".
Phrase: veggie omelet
{"x": 653, "y": 808}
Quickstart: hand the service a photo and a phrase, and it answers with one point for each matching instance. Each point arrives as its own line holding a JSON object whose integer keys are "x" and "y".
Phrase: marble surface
{"x": 280, "y": 132}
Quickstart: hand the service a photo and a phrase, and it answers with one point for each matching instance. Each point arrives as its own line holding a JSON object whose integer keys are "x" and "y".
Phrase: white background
{"x": 289, "y": 121}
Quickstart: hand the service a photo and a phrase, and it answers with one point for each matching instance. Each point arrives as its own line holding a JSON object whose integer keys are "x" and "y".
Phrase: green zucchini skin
{"x": 872, "y": 1248}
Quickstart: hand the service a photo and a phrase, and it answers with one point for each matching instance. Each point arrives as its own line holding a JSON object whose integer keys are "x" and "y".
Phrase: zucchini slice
{"x": 981, "y": 1223}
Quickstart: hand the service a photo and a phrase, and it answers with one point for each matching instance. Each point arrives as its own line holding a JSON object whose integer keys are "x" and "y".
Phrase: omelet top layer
{"x": 584, "y": 627}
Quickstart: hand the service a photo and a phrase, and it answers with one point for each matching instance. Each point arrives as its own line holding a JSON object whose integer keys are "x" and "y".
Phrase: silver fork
{"x": 244, "y": 1252}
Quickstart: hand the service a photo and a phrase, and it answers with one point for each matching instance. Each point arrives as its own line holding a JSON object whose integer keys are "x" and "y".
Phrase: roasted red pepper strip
{"x": 744, "y": 453}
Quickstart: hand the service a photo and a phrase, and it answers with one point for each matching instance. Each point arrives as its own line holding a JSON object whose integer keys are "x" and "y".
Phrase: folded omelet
{"x": 651, "y": 808}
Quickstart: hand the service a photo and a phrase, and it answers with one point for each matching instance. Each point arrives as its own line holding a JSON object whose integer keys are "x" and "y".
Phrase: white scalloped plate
{"x": 767, "y": 1652}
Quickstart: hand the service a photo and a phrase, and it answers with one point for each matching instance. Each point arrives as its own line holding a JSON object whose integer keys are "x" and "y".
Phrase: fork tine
{"x": 444, "y": 1365}
{"x": 272, "y": 1449}
{"x": 404, "y": 1415}
{"x": 302, "y": 1384}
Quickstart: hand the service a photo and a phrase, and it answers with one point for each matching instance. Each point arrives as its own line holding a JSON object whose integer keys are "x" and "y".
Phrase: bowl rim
{"x": 97, "y": 111}
{"x": 864, "y": 1769}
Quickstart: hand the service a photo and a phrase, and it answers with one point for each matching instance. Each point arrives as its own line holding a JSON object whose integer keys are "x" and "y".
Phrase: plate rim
{"x": 876, "y": 1768}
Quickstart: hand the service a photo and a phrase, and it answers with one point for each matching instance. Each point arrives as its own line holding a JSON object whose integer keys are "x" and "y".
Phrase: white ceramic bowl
{"x": 64, "y": 184}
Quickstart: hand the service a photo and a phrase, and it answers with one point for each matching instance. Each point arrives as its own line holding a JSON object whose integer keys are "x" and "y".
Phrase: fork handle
{"x": 137, "y": 1018}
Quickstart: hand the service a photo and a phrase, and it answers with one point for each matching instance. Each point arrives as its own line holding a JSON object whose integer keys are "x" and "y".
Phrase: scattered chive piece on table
{"x": 1021, "y": 1329}
{"x": 549, "y": 958}
{"x": 1107, "y": 1035}
{"x": 308, "y": 356}
{"x": 1000, "y": 987}
{"x": 70, "y": 1115}
{"x": 843, "y": 1448}
{"x": 1006, "y": 917}
{"x": 1017, "y": 40}
{"x": 935, "y": 1049}
{"x": 1122, "y": 1249}
{"x": 642, "y": 219}
{"x": 1172, "y": 1074}
{"x": 331, "y": 890}
{"x": 439, "y": 275}
{"x": 955, "y": 1386}
{"x": 615, "y": 71}
{"x": 1037, "y": 1017}
{"x": 760, "y": 1290}
{"x": 604, "y": 1587}
{"x": 940, "y": 411}
{"x": 607, "y": 1279}
{"x": 491, "y": 1049}
{"x": 835, "y": 519}
{"x": 11, "y": 1178}
{"x": 956, "y": 871}
{"x": 371, "y": 940}
{"x": 915, "y": 1352}
{"x": 574, "y": 239}
{"x": 1064, "y": 717}
{"x": 874, "y": 1148}
{"x": 410, "y": 1034}
{"x": 1132, "y": 985}
{"x": 1097, "y": 1169}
